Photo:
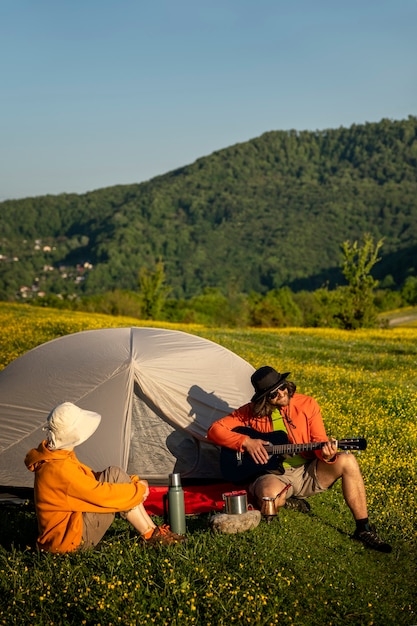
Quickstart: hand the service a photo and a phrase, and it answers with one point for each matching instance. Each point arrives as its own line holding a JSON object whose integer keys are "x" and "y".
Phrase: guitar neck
{"x": 291, "y": 448}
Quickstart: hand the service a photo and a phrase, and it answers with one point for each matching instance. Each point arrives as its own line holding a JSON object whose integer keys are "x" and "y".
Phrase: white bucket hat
{"x": 69, "y": 426}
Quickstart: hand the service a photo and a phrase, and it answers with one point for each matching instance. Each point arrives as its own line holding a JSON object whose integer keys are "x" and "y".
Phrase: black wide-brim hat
{"x": 264, "y": 380}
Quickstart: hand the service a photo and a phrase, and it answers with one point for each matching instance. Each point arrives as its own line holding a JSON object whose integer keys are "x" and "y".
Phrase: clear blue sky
{"x": 95, "y": 93}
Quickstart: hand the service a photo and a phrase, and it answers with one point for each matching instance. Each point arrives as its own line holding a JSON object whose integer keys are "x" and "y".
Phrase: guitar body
{"x": 239, "y": 467}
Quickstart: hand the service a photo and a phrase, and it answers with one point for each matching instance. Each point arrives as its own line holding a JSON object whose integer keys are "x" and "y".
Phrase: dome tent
{"x": 157, "y": 390}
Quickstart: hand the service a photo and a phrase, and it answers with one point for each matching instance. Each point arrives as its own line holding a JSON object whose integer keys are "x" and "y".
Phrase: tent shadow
{"x": 205, "y": 408}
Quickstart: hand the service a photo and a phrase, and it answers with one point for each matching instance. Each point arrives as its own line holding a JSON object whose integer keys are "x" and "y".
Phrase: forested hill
{"x": 258, "y": 215}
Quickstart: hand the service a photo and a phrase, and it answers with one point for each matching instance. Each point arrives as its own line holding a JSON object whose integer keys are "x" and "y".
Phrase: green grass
{"x": 301, "y": 569}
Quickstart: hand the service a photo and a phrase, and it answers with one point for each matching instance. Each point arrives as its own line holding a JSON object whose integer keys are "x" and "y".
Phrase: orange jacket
{"x": 65, "y": 489}
{"x": 302, "y": 419}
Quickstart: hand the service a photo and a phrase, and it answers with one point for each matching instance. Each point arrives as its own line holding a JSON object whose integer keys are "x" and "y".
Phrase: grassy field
{"x": 301, "y": 569}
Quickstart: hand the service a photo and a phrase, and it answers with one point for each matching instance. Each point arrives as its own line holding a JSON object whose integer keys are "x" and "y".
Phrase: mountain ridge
{"x": 258, "y": 215}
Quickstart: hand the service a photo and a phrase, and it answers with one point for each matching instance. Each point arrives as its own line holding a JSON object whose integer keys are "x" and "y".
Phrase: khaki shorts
{"x": 303, "y": 480}
{"x": 95, "y": 525}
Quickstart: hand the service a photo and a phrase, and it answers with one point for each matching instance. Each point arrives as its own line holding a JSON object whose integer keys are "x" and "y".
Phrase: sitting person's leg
{"x": 95, "y": 525}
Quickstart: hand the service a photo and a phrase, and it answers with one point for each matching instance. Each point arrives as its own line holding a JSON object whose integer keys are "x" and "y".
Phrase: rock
{"x": 231, "y": 524}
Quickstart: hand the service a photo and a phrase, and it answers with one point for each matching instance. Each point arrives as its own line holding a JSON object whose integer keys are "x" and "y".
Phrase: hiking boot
{"x": 163, "y": 535}
{"x": 297, "y": 504}
{"x": 371, "y": 540}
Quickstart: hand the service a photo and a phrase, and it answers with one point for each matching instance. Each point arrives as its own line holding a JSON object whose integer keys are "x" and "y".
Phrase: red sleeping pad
{"x": 197, "y": 498}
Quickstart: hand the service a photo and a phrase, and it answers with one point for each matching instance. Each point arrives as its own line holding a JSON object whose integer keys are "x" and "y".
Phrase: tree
{"x": 357, "y": 307}
{"x": 276, "y": 309}
{"x": 409, "y": 290}
{"x": 153, "y": 291}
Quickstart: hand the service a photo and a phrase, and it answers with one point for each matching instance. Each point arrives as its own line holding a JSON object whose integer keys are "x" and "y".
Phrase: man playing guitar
{"x": 276, "y": 410}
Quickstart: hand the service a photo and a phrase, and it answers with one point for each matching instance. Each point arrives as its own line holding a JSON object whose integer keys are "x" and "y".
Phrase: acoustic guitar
{"x": 239, "y": 467}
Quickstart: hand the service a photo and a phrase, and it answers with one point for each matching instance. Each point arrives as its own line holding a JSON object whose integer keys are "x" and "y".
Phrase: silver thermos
{"x": 176, "y": 506}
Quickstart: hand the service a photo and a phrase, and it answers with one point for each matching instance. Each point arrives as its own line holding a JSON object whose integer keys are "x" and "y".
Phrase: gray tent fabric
{"x": 157, "y": 390}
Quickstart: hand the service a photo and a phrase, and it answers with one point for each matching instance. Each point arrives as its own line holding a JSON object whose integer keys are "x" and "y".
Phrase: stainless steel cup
{"x": 235, "y": 502}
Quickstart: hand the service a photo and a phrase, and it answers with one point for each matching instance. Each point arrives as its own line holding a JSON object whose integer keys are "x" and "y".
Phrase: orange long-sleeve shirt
{"x": 302, "y": 419}
{"x": 65, "y": 488}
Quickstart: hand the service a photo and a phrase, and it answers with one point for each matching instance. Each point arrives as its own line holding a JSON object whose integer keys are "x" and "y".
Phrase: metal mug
{"x": 235, "y": 502}
{"x": 268, "y": 508}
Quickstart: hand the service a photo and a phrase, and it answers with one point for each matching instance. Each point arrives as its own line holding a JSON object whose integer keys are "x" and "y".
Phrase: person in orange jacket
{"x": 75, "y": 505}
{"x": 276, "y": 406}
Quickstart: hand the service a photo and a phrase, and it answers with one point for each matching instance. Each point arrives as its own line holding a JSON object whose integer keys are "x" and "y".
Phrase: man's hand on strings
{"x": 256, "y": 448}
{"x": 329, "y": 449}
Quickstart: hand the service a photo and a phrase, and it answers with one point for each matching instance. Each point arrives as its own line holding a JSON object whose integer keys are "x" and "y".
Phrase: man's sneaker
{"x": 297, "y": 504}
{"x": 163, "y": 535}
{"x": 371, "y": 540}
